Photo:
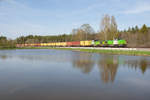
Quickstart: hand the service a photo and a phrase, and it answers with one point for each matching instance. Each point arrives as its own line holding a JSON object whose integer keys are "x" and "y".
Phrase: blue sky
{"x": 50, "y": 17}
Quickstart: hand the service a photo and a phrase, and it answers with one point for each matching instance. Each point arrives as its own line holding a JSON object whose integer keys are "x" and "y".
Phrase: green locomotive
{"x": 110, "y": 43}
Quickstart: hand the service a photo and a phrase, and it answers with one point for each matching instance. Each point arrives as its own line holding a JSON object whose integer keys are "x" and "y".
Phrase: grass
{"x": 7, "y": 48}
{"x": 118, "y": 52}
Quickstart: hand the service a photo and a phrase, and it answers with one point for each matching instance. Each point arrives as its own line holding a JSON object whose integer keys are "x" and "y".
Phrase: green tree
{"x": 136, "y": 28}
{"x": 144, "y": 29}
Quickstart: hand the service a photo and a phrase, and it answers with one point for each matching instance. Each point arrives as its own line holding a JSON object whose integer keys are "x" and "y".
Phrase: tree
{"x": 133, "y": 30}
{"x": 79, "y": 36}
{"x": 73, "y": 33}
{"x": 84, "y": 32}
{"x": 136, "y": 28}
{"x": 114, "y": 30}
{"x": 144, "y": 29}
{"x": 108, "y": 28}
{"x": 87, "y": 31}
{"x": 5, "y": 43}
{"x": 129, "y": 29}
{"x": 105, "y": 26}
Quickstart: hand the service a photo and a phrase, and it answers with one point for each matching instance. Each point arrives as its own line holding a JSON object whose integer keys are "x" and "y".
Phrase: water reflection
{"x": 67, "y": 75}
{"x": 41, "y": 55}
{"x": 83, "y": 61}
{"x": 142, "y": 64}
{"x": 3, "y": 57}
{"x": 108, "y": 66}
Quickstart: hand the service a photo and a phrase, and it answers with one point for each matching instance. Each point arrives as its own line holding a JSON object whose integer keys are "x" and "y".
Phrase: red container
{"x": 76, "y": 43}
{"x": 29, "y": 45}
{"x": 69, "y": 44}
{"x": 22, "y": 45}
{"x": 37, "y": 44}
{"x": 18, "y": 45}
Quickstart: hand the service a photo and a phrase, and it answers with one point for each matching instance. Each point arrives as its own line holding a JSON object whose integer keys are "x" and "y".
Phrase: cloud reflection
{"x": 142, "y": 64}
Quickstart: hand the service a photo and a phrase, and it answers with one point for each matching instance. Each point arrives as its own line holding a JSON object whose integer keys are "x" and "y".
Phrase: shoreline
{"x": 103, "y": 50}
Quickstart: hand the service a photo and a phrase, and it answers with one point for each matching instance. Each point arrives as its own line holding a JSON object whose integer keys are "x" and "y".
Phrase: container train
{"x": 87, "y": 43}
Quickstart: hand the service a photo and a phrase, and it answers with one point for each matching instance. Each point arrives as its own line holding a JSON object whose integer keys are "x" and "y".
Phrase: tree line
{"x": 6, "y": 43}
{"x": 135, "y": 36}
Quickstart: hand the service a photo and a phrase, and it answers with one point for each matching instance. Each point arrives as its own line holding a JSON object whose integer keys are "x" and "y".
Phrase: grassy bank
{"x": 119, "y": 52}
{"x": 7, "y": 48}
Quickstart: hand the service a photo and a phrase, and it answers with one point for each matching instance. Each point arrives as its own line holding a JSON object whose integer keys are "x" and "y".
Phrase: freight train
{"x": 87, "y": 43}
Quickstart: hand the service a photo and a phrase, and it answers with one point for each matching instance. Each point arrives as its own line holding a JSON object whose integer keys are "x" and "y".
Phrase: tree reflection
{"x": 108, "y": 66}
{"x": 4, "y": 57}
{"x": 83, "y": 61}
{"x": 141, "y": 64}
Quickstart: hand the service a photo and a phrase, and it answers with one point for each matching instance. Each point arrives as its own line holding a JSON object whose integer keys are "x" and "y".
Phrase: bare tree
{"x": 108, "y": 28}
{"x": 87, "y": 31}
{"x": 105, "y": 26}
{"x": 114, "y": 31}
{"x": 73, "y": 33}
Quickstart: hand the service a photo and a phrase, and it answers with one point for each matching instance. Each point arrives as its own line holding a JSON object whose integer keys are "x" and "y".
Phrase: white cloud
{"x": 139, "y": 8}
{"x": 15, "y": 22}
{"x": 18, "y": 19}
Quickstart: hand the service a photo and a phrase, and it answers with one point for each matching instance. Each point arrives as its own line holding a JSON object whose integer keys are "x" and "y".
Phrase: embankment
{"x": 105, "y": 50}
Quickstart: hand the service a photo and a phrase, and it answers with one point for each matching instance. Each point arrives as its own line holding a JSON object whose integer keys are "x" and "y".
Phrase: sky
{"x": 53, "y": 17}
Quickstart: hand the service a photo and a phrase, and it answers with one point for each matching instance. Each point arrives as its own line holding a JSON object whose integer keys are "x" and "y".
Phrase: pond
{"x": 44, "y": 74}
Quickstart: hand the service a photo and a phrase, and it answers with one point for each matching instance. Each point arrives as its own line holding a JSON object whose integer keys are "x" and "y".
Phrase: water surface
{"x": 44, "y": 74}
